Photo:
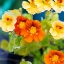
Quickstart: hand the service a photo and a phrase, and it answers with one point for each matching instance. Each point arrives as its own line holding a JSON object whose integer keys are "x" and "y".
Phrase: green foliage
{"x": 35, "y": 46}
{"x": 49, "y": 18}
{"x": 52, "y": 16}
{"x": 11, "y": 46}
{"x": 48, "y": 15}
{"x": 29, "y": 16}
{"x": 36, "y": 61}
{"x": 46, "y": 40}
{"x": 28, "y": 48}
{"x": 24, "y": 50}
{"x": 46, "y": 25}
{"x": 25, "y": 62}
{"x": 4, "y": 45}
{"x": 55, "y": 17}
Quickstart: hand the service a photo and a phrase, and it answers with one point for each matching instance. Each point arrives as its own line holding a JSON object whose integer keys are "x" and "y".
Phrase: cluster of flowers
{"x": 30, "y": 29}
{"x": 37, "y": 6}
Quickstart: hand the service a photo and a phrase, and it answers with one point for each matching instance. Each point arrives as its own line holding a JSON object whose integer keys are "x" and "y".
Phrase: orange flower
{"x": 54, "y": 57}
{"x": 20, "y": 24}
{"x": 32, "y": 31}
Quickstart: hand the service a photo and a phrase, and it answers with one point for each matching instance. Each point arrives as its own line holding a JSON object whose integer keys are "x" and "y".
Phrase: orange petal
{"x": 41, "y": 35}
{"x": 29, "y": 38}
{"x": 24, "y": 33}
{"x": 47, "y": 59}
{"x": 28, "y": 23}
{"x": 37, "y": 23}
{"x": 36, "y": 38}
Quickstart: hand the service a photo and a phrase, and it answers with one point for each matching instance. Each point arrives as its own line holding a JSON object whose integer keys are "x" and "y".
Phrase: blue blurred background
{"x": 16, "y": 4}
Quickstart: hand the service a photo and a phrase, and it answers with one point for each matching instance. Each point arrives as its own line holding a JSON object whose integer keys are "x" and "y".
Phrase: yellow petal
{"x": 16, "y": 12}
{"x": 10, "y": 28}
{"x": 4, "y": 27}
{"x": 53, "y": 32}
{"x": 25, "y": 5}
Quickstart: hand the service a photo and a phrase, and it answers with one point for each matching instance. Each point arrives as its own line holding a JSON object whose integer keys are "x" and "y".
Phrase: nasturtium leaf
{"x": 17, "y": 42}
{"x": 23, "y": 42}
{"x": 48, "y": 15}
{"x": 53, "y": 47}
{"x": 16, "y": 50}
{"x": 61, "y": 44}
{"x": 37, "y": 61}
{"x": 46, "y": 40}
{"x": 24, "y": 50}
{"x": 29, "y": 16}
{"x": 25, "y": 62}
{"x": 46, "y": 24}
{"x": 4, "y": 45}
{"x": 47, "y": 50}
{"x": 35, "y": 46}
{"x": 55, "y": 17}
{"x": 11, "y": 46}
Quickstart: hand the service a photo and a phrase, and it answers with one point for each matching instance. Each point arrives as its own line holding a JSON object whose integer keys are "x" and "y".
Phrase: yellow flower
{"x": 58, "y": 5}
{"x": 43, "y": 5}
{"x": 47, "y": 5}
{"x": 40, "y": 5}
{"x": 16, "y": 12}
{"x": 57, "y": 30}
{"x": 7, "y": 22}
{"x": 30, "y": 7}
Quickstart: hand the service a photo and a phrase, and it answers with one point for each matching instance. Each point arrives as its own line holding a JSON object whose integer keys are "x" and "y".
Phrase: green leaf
{"x": 53, "y": 47}
{"x": 17, "y": 41}
{"x": 4, "y": 45}
{"x": 36, "y": 61}
{"x": 24, "y": 50}
{"x": 27, "y": 48}
{"x": 29, "y": 16}
{"x": 46, "y": 25}
{"x": 35, "y": 46}
{"x": 61, "y": 44}
{"x": 25, "y": 62}
{"x": 11, "y": 46}
{"x": 46, "y": 40}
{"x": 47, "y": 50}
{"x": 48, "y": 15}
{"x": 55, "y": 17}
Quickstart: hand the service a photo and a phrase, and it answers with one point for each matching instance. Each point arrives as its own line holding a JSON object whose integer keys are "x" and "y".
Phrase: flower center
{"x": 8, "y": 21}
{"x": 33, "y": 30}
{"x": 55, "y": 58}
{"x": 22, "y": 25}
{"x": 60, "y": 1}
{"x": 59, "y": 27}
{"x": 32, "y": 0}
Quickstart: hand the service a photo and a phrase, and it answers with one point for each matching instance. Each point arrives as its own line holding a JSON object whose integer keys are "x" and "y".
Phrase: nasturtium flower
{"x": 57, "y": 30}
{"x": 33, "y": 31}
{"x": 7, "y": 22}
{"x": 54, "y": 57}
{"x": 16, "y": 12}
{"x": 58, "y": 5}
{"x": 20, "y": 24}
{"x": 47, "y": 5}
{"x": 40, "y": 5}
{"x": 30, "y": 7}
